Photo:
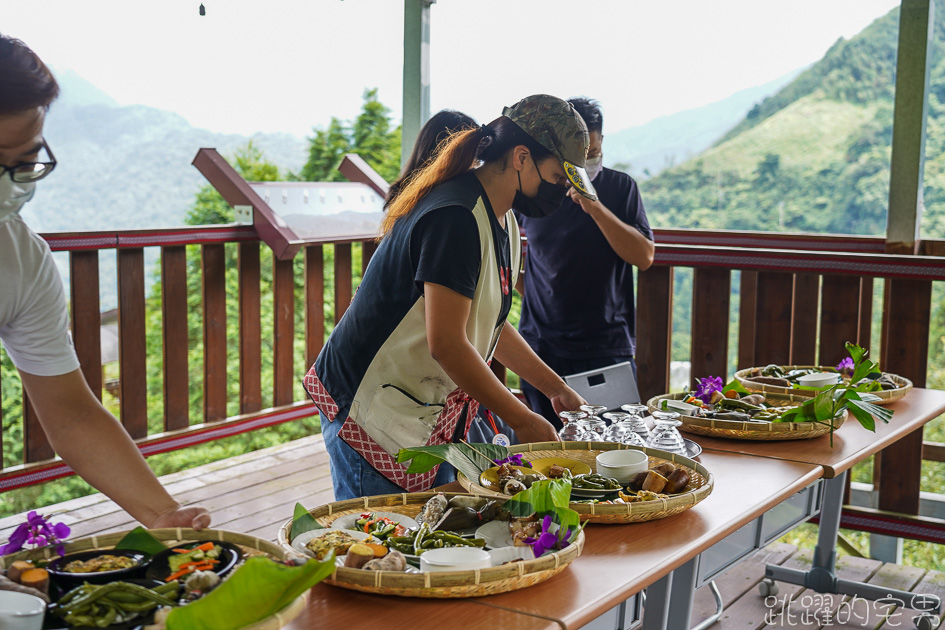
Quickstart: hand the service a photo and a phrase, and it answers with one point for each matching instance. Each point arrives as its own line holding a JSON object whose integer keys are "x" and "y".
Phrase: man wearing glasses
{"x": 33, "y": 317}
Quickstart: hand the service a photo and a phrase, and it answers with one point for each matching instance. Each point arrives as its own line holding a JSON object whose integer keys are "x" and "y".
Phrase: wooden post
{"x": 711, "y": 291}
{"x": 654, "y": 330}
{"x": 174, "y": 305}
{"x": 132, "y": 348}
{"x": 250, "y": 329}
{"x": 214, "y": 331}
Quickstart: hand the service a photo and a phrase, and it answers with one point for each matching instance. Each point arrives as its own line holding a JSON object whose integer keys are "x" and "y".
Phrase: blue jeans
{"x": 563, "y": 367}
{"x": 352, "y": 476}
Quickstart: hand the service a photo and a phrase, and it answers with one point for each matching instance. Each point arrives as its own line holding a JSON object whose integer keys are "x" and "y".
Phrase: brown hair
{"x": 489, "y": 143}
{"x": 25, "y": 81}
{"x": 436, "y": 130}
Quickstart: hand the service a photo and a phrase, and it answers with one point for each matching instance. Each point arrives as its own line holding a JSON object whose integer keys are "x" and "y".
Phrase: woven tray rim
{"x": 618, "y": 513}
{"x": 178, "y": 535}
{"x": 749, "y": 430}
{"x": 886, "y": 396}
{"x": 446, "y": 584}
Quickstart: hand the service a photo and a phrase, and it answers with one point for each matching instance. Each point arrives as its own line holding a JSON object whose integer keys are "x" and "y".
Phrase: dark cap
{"x": 555, "y": 124}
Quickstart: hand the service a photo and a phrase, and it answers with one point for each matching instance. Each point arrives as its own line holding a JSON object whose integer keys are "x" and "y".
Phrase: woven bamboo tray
{"x": 700, "y": 484}
{"x": 446, "y": 584}
{"x": 732, "y": 429}
{"x": 886, "y": 396}
{"x": 250, "y": 546}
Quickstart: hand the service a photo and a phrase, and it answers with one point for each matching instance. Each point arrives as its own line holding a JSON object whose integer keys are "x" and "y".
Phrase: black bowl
{"x": 68, "y": 580}
{"x": 230, "y": 555}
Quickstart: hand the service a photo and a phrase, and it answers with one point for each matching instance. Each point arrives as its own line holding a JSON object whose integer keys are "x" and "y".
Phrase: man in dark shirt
{"x": 578, "y": 305}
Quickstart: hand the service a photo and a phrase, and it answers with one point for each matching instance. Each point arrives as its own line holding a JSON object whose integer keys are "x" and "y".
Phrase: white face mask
{"x": 13, "y": 195}
{"x": 593, "y": 166}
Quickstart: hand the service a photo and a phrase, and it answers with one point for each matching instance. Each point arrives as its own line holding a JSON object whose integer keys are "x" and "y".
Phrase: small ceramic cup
{"x": 819, "y": 379}
{"x": 20, "y": 611}
{"x": 622, "y": 465}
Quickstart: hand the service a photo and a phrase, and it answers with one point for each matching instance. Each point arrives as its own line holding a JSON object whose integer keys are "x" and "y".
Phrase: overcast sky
{"x": 289, "y": 65}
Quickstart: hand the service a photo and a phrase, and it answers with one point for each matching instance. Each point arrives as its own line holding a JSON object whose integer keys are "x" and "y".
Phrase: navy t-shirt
{"x": 578, "y": 301}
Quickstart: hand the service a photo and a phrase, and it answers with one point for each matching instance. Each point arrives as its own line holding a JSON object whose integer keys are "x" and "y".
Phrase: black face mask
{"x": 547, "y": 200}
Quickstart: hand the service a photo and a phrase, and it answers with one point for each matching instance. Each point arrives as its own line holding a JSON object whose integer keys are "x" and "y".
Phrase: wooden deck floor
{"x": 255, "y": 493}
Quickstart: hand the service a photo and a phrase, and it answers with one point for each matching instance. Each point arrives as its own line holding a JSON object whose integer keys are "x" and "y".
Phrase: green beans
{"x": 100, "y": 606}
{"x": 416, "y": 542}
{"x": 595, "y": 481}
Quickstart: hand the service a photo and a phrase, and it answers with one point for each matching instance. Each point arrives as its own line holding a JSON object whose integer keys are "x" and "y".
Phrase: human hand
{"x": 566, "y": 399}
{"x": 536, "y": 429}
{"x": 194, "y": 517}
{"x": 586, "y": 204}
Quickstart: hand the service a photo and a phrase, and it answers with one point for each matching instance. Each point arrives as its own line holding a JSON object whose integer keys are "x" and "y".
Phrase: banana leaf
{"x": 470, "y": 459}
{"x": 258, "y": 589}
{"x": 302, "y": 522}
{"x": 141, "y": 540}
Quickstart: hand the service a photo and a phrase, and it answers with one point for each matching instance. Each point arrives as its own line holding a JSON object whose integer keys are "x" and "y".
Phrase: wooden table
{"x": 851, "y": 444}
{"x": 617, "y": 563}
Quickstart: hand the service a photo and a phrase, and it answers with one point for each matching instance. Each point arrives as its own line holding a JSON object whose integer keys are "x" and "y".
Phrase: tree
{"x": 370, "y": 136}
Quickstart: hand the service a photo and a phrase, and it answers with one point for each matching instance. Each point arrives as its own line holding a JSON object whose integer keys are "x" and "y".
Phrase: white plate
{"x": 507, "y": 554}
{"x": 496, "y": 534}
{"x": 348, "y": 521}
{"x": 299, "y": 543}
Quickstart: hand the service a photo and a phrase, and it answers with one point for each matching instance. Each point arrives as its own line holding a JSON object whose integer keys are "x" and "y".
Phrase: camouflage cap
{"x": 556, "y": 125}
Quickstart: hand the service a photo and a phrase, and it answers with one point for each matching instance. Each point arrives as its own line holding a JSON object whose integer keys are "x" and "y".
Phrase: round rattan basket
{"x": 771, "y": 431}
{"x": 700, "y": 482}
{"x": 885, "y": 396}
{"x": 249, "y": 545}
{"x": 446, "y": 584}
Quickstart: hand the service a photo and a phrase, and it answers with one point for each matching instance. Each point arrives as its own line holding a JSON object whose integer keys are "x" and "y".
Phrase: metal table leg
{"x": 656, "y": 609}
{"x": 822, "y": 576}
{"x": 719, "y": 608}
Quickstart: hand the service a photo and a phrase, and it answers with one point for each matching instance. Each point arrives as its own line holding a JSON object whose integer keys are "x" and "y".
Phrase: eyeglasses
{"x": 31, "y": 171}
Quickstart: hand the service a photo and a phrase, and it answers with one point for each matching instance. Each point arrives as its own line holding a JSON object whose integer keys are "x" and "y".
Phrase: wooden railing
{"x": 179, "y": 428}
{"x": 790, "y": 286}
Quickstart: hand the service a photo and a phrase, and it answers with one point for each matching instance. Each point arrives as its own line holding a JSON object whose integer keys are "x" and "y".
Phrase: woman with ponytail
{"x": 407, "y": 365}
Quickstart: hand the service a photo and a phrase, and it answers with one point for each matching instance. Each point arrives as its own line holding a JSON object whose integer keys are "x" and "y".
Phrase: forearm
{"x": 467, "y": 369}
{"x": 515, "y": 353}
{"x": 95, "y": 445}
{"x": 627, "y": 241}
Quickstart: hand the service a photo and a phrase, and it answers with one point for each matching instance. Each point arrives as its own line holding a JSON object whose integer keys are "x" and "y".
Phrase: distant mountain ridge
{"x": 125, "y": 167}
{"x": 815, "y": 156}
{"x": 646, "y": 150}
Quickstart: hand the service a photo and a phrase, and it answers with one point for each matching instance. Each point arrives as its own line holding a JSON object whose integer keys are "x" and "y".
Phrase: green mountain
{"x": 814, "y": 157}
{"x": 126, "y": 167}
{"x": 645, "y": 150}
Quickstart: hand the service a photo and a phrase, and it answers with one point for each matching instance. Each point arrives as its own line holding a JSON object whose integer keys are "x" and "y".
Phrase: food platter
{"x": 886, "y": 396}
{"x": 767, "y": 431}
{"x": 699, "y": 487}
{"x": 249, "y": 546}
{"x": 447, "y": 584}
{"x": 348, "y": 521}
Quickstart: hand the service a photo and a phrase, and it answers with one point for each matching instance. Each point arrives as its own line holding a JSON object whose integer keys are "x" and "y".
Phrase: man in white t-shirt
{"x": 33, "y": 318}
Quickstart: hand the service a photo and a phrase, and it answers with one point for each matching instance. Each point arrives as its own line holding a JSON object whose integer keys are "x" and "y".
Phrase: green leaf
{"x": 140, "y": 539}
{"x": 885, "y": 415}
{"x": 856, "y": 352}
{"x": 470, "y": 459}
{"x": 550, "y": 496}
{"x": 735, "y": 386}
{"x": 258, "y": 589}
{"x": 863, "y": 417}
{"x": 302, "y": 521}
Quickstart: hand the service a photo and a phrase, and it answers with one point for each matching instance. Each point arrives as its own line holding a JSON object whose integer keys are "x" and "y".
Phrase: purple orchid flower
{"x": 514, "y": 460}
{"x": 846, "y": 365}
{"x": 707, "y": 387}
{"x": 547, "y": 540}
{"x": 37, "y": 532}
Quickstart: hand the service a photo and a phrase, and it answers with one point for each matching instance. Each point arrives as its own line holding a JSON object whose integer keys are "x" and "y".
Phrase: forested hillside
{"x": 814, "y": 157}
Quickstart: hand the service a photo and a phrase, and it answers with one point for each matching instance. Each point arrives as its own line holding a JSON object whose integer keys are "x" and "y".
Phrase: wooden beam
{"x": 314, "y": 302}
{"x": 804, "y": 319}
{"x": 654, "y": 330}
{"x": 176, "y": 336}
{"x": 87, "y": 316}
{"x": 773, "y": 318}
{"x": 132, "y": 347}
{"x": 711, "y": 291}
{"x": 250, "y": 329}
{"x": 284, "y": 331}
{"x": 343, "y": 286}
{"x": 747, "y": 307}
{"x": 907, "y": 164}
{"x": 214, "y": 332}
{"x": 839, "y": 317}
